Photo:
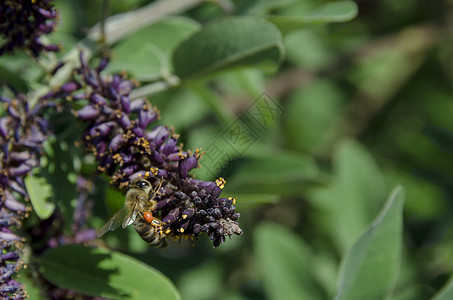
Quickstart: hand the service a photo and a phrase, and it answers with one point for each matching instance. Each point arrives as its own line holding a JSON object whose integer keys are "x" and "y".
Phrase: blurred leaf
{"x": 441, "y": 137}
{"x": 19, "y": 70}
{"x": 40, "y": 193}
{"x": 12, "y": 78}
{"x": 245, "y": 201}
{"x": 314, "y": 106}
{"x": 446, "y": 293}
{"x": 239, "y": 82}
{"x": 263, "y": 6}
{"x": 361, "y": 189}
{"x": 227, "y": 43}
{"x": 114, "y": 199}
{"x": 32, "y": 289}
{"x": 316, "y": 54}
{"x": 273, "y": 171}
{"x": 285, "y": 263}
{"x": 338, "y": 11}
{"x": 370, "y": 267}
{"x": 183, "y": 109}
{"x": 203, "y": 282}
{"x": 101, "y": 273}
{"x": 390, "y": 62}
{"x": 425, "y": 199}
{"x": 147, "y": 53}
{"x": 355, "y": 195}
{"x": 325, "y": 269}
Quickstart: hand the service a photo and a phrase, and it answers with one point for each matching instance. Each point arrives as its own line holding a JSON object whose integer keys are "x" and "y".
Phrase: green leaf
{"x": 285, "y": 262}
{"x": 183, "y": 109}
{"x": 360, "y": 189}
{"x": 12, "y": 78}
{"x": 245, "y": 201}
{"x": 441, "y": 137}
{"x": 102, "y": 273}
{"x": 273, "y": 171}
{"x": 114, "y": 199}
{"x": 147, "y": 53}
{"x": 369, "y": 269}
{"x": 264, "y": 6}
{"x": 446, "y": 293}
{"x": 24, "y": 276}
{"x": 202, "y": 282}
{"x": 314, "y": 106}
{"x": 316, "y": 55}
{"x": 40, "y": 193}
{"x": 355, "y": 195}
{"x": 338, "y": 11}
{"x": 227, "y": 43}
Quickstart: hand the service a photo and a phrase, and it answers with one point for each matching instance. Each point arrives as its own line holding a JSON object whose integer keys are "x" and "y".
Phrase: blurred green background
{"x": 353, "y": 111}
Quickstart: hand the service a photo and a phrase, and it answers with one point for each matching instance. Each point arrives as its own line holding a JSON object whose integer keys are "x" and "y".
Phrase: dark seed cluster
{"x": 23, "y": 22}
{"x": 119, "y": 133}
{"x": 22, "y": 133}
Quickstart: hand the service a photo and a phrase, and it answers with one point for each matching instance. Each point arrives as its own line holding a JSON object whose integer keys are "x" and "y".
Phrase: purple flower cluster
{"x": 23, "y": 22}
{"x": 117, "y": 134}
{"x": 22, "y": 132}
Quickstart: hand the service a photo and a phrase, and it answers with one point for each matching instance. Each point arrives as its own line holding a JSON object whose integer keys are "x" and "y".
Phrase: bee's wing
{"x": 116, "y": 220}
{"x": 130, "y": 216}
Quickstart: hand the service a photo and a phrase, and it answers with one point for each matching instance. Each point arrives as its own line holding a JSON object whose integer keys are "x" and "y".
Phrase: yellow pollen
{"x": 181, "y": 155}
{"x": 146, "y": 174}
{"x": 184, "y": 217}
{"x": 181, "y": 230}
{"x": 154, "y": 171}
{"x": 167, "y": 231}
{"x": 234, "y": 201}
{"x": 220, "y": 183}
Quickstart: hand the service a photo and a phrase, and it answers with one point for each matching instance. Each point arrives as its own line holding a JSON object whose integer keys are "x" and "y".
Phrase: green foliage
{"x": 441, "y": 137}
{"x": 151, "y": 47}
{"x": 446, "y": 292}
{"x": 361, "y": 104}
{"x": 355, "y": 195}
{"x": 370, "y": 267}
{"x": 102, "y": 273}
{"x": 285, "y": 261}
{"x": 40, "y": 192}
{"x": 231, "y": 42}
{"x": 338, "y": 11}
{"x": 274, "y": 171}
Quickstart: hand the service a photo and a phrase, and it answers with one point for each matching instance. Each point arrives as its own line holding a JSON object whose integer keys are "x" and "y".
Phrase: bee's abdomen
{"x": 150, "y": 234}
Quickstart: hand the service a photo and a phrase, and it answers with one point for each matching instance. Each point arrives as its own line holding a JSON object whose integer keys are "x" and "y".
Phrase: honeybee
{"x": 137, "y": 211}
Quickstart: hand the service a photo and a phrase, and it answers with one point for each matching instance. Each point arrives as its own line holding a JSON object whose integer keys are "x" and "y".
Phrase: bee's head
{"x": 140, "y": 183}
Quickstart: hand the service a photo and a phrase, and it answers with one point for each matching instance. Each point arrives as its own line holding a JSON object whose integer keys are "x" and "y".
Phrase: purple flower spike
{"x": 116, "y": 133}
{"x": 21, "y": 170}
{"x": 158, "y": 135}
{"x": 69, "y": 87}
{"x": 52, "y": 48}
{"x": 170, "y": 147}
{"x": 116, "y": 142}
{"x": 22, "y": 23}
{"x": 4, "y": 126}
{"x": 102, "y": 64}
{"x": 87, "y": 113}
{"x": 101, "y": 129}
{"x": 126, "y": 104}
{"x": 186, "y": 165}
{"x": 48, "y": 14}
{"x": 146, "y": 117}
{"x": 137, "y": 104}
{"x": 97, "y": 99}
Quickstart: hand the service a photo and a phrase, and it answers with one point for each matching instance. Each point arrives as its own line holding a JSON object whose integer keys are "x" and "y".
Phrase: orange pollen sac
{"x": 148, "y": 216}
